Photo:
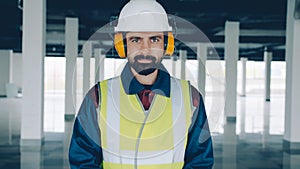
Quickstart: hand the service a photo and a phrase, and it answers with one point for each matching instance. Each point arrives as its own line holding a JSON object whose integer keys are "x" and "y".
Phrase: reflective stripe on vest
{"x": 134, "y": 138}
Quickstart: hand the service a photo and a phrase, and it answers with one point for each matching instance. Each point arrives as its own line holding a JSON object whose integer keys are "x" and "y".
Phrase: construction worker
{"x": 142, "y": 119}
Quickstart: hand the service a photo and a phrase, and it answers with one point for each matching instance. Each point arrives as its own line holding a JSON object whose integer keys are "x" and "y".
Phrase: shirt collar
{"x": 161, "y": 86}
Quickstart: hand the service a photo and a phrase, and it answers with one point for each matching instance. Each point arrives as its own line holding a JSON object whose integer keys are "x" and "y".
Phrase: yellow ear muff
{"x": 119, "y": 45}
{"x": 170, "y": 44}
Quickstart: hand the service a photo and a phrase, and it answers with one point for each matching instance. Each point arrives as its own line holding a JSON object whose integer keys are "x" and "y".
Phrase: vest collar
{"x": 161, "y": 86}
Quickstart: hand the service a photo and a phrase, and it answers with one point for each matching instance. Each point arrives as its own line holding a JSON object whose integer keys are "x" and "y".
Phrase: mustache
{"x": 148, "y": 57}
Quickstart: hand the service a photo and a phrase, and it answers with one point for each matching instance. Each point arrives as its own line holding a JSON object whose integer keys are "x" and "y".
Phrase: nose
{"x": 145, "y": 48}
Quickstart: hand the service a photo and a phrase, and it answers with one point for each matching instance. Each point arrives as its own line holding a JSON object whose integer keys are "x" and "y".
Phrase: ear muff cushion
{"x": 170, "y": 44}
{"x": 119, "y": 45}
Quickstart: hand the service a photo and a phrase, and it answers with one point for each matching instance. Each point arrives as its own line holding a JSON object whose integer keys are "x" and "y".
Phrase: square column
{"x": 231, "y": 58}
{"x": 201, "y": 57}
{"x": 183, "y": 57}
{"x": 291, "y": 130}
{"x": 267, "y": 60}
{"x": 99, "y": 65}
{"x": 244, "y": 76}
{"x": 71, "y": 52}
{"x": 33, "y": 48}
{"x": 87, "y": 54}
{"x": 174, "y": 59}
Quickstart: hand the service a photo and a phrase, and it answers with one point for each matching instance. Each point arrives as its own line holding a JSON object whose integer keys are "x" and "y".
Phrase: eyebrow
{"x": 156, "y": 36}
{"x": 134, "y": 37}
{"x": 150, "y": 37}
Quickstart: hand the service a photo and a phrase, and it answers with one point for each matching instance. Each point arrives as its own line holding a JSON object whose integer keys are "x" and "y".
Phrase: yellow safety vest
{"x": 132, "y": 138}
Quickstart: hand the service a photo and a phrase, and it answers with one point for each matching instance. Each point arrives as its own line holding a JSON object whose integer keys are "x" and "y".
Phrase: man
{"x": 144, "y": 118}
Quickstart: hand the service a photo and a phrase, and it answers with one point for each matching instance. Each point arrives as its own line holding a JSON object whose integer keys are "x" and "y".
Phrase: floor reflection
{"x": 254, "y": 141}
{"x": 266, "y": 124}
{"x": 10, "y": 120}
{"x": 229, "y": 146}
{"x": 291, "y": 161}
{"x": 31, "y": 159}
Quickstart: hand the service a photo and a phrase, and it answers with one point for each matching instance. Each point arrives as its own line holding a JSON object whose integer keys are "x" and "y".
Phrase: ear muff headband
{"x": 120, "y": 44}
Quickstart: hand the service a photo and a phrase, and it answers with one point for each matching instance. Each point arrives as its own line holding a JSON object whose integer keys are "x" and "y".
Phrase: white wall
{"x": 5, "y": 56}
{"x": 17, "y": 69}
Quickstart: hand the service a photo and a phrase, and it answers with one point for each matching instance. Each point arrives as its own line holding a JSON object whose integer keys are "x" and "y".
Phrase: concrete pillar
{"x": 231, "y": 58}
{"x": 99, "y": 65}
{"x": 33, "y": 48}
{"x": 267, "y": 60}
{"x": 174, "y": 59}
{"x": 87, "y": 55}
{"x": 244, "y": 76}
{"x": 201, "y": 57}
{"x": 71, "y": 52}
{"x": 291, "y": 131}
{"x": 183, "y": 57}
{"x": 5, "y": 70}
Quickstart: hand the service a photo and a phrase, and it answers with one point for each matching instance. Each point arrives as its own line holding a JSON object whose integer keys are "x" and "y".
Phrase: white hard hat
{"x": 143, "y": 16}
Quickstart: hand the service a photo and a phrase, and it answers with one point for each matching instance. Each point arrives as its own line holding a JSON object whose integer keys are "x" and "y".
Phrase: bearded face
{"x": 145, "y": 51}
{"x": 144, "y": 68}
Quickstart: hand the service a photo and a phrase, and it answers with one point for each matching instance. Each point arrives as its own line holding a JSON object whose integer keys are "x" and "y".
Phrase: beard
{"x": 144, "y": 68}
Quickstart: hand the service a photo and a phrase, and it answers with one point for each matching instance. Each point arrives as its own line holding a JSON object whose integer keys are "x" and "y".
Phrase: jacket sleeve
{"x": 199, "y": 150}
{"x": 85, "y": 150}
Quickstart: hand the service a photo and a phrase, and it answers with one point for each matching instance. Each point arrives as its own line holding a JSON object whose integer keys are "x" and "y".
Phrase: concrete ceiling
{"x": 262, "y": 22}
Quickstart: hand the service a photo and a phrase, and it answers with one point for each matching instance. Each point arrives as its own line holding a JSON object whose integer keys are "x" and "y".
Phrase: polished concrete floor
{"x": 254, "y": 141}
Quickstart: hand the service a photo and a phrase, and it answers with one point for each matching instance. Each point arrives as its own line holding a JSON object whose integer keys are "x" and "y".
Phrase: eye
{"x": 155, "y": 39}
{"x": 134, "y": 40}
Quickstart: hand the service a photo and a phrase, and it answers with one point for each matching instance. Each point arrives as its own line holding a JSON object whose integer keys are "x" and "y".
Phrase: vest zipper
{"x": 142, "y": 128}
{"x": 139, "y": 140}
